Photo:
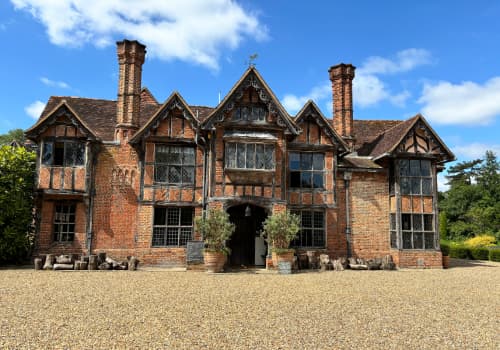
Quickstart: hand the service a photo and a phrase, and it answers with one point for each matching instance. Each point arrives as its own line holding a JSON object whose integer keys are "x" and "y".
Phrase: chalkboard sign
{"x": 194, "y": 252}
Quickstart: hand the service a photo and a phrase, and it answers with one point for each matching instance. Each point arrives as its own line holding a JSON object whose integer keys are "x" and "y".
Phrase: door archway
{"x": 247, "y": 247}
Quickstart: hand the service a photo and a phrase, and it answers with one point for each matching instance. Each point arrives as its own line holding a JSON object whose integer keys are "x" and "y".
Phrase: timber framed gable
{"x": 251, "y": 79}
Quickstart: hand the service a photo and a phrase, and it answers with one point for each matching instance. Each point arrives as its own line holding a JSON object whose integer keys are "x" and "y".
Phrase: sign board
{"x": 194, "y": 252}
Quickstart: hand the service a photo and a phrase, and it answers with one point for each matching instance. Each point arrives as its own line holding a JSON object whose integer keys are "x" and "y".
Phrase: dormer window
{"x": 251, "y": 156}
{"x": 251, "y": 113}
{"x": 63, "y": 153}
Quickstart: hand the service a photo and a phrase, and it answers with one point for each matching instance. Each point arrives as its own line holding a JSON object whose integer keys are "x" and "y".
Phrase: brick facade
{"x": 134, "y": 172}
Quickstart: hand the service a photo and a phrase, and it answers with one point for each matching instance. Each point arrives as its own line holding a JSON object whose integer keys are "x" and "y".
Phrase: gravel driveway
{"x": 153, "y": 308}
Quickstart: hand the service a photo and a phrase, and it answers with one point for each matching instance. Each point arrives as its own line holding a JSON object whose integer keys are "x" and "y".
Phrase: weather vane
{"x": 251, "y": 60}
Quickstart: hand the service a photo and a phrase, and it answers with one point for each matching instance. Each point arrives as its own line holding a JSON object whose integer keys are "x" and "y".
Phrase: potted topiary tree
{"x": 281, "y": 228}
{"x": 215, "y": 228}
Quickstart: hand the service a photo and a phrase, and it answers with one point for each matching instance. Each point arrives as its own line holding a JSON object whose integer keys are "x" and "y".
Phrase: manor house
{"x": 129, "y": 176}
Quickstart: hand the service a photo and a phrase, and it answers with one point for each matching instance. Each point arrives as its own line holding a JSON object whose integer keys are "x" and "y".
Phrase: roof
{"x": 369, "y": 132}
{"x": 100, "y": 114}
{"x": 359, "y": 162}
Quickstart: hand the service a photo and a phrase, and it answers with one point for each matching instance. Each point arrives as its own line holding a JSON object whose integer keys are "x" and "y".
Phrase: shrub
{"x": 281, "y": 228}
{"x": 494, "y": 254}
{"x": 445, "y": 248}
{"x": 479, "y": 253}
{"x": 17, "y": 170}
{"x": 459, "y": 251}
{"x": 216, "y": 229}
{"x": 481, "y": 241}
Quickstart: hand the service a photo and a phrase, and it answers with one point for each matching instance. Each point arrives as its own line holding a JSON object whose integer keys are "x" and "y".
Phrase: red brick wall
{"x": 116, "y": 198}
{"x": 45, "y": 244}
{"x": 418, "y": 259}
{"x": 370, "y": 214}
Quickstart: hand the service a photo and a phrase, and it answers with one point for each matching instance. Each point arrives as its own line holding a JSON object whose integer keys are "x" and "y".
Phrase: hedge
{"x": 479, "y": 253}
{"x": 445, "y": 248}
{"x": 494, "y": 254}
{"x": 459, "y": 252}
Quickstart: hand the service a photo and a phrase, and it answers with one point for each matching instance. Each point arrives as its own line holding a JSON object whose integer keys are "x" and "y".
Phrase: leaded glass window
{"x": 174, "y": 164}
{"x": 415, "y": 177}
{"x": 253, "y": 156}
{"x": 249, "y": 113}
{"x": 63, "y": 153}
{"x": 312, "y": 229}
{"x": 64, "y": 222}
{"x": 172, "y": 226}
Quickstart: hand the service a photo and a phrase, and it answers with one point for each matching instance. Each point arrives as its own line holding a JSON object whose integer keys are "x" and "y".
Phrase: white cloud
{"x": 368, "y": 87}
{"x": 474, "y": 150}
{"x": 53, "y": 83}
{"x": 466, "y": 103}
{"x": 404, "y": 61}
{"x": 188, "y": 30}
{"x": 35, "y": 109}
{"x": 442, "y": 182}
{"x": 294, "y": 103}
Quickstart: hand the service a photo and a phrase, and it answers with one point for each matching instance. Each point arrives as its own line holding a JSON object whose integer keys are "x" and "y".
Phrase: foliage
{"x": 443, "y": 225}
{"x": 17, "y": 170}
{"x": 459, "y": 251}
{"x": 281, "y": 228}
{"x": 479, "y": 253}
{"x": 215, "y": 229}
{"x": 472, "y": 204}
{"x": 481, "y": 241}
{"x": 445, "y": 247}
{"x": 12, "y": 135}
{"x": 494, "y": 254}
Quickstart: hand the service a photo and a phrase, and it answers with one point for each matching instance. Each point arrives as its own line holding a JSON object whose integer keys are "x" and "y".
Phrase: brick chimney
{"x": 131, "y": 56}
{"x": 341, "y": 76}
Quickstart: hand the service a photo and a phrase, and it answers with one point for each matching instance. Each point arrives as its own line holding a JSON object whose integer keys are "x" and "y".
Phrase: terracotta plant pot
{"x": 284, "y": 261}
{"x": 214, "y": 261}
{"x": 446, "y": 261}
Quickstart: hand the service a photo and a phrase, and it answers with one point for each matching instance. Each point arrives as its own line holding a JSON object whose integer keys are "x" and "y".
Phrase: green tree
{"x": 472, "y": 204}
{"x": 12, "y": 135}
{"x": 17, "y": 170}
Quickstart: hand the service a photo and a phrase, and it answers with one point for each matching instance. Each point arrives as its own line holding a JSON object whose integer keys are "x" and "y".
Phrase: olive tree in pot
{"x": 215, "y": 228}
{"x": 281, "y": 228}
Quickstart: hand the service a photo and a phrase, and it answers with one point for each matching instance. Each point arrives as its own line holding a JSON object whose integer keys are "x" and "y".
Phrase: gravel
{"x": 158, "y": 308}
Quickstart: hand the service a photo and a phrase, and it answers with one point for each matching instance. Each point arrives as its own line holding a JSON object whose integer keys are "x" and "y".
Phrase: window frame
{"x": 311, "y": 172}
{"x": 169, "y": 165}
{"x": 237, "y": 113}
{"x": 313, "y": 228}
{"x": 51, "y": 157}
{"x": 412, "y": 179}
{"x": 64, "y": 222}
{"x": 413, "y": 229}
{"x": 231, "y": 162}
{"x": 168, "y": 228}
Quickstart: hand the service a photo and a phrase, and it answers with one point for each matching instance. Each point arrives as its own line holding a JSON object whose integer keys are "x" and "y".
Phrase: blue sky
{"x": 439, "y": 58}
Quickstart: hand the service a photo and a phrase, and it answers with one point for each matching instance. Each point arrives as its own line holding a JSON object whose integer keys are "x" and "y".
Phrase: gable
{"x": 251, "y": 92}
{"x": 173, "y": 119}
{"x": 412, "y": 137}
{"x": 422, "y": 140}
{"x": 315, "y": 128}
{"x": 62, "y": 121}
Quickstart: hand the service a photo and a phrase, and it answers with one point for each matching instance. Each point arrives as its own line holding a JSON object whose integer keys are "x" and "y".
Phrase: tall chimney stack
{"x": 131, "y": 56}
{"x": 341, "y": 76}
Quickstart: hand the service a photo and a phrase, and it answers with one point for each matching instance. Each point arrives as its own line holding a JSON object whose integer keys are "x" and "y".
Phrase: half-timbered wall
{"x": 58, "y": 170}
